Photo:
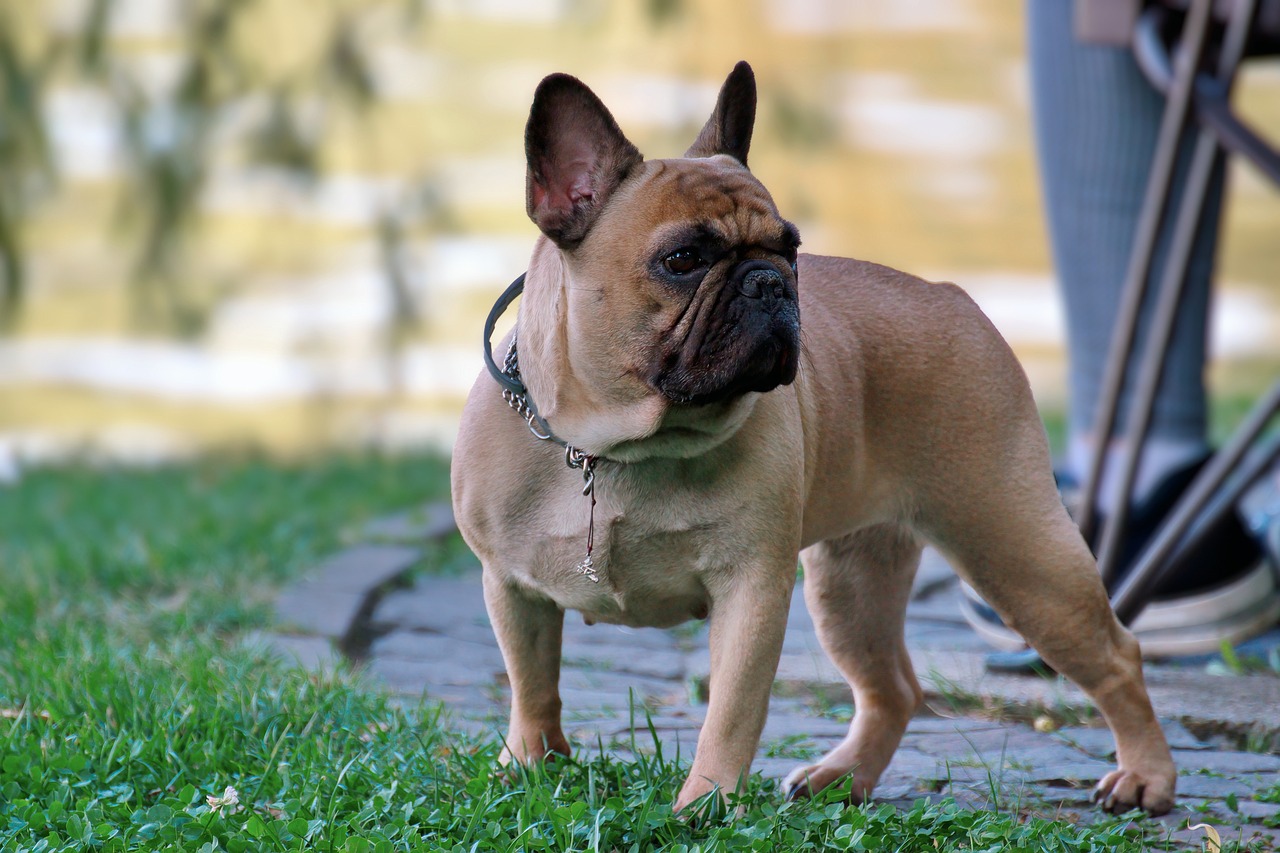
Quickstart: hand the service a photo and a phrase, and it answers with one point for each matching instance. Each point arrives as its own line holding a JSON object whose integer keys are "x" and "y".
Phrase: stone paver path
{"x": 430, "y": 638}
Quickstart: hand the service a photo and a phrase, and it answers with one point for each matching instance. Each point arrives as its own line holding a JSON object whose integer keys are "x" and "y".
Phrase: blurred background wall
{"x": 280, "y": 223}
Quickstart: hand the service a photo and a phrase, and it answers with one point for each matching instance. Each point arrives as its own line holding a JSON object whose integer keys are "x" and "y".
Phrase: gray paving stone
{"x": 917, "y": 765}
{"x": 597, "y": 702}
{"x": 675, "y": 719}
{"x": 784, "y": 725}
{"x": 436, "y": 604}
{"x": 799, "y": 706}
{"x": 476, "y": 728}
{"x": 1236, "y": 702}
{"x": 1096, "y": 742}
{"x": 1059, "y": 795}
{"x": 774, "y": 768}
{"x": 798, "y": 618}
{"x": 474, "y": 701}
{"x": 1256, "y": 811}
{"x": 943, "y": 725}
{"x": 665, "y": 664}
{"x": 1259, "y": 838}
{"x": 1230, "y": 703}
{"x": 796, "y": 750}
{"x": 980, "y": 741}
{"x": 1226, "y": 761}
{"x": 1051, "y": 752}
{"x": 453, "y": 706}
{"x": 470, "y": 632}
{"x": 411, "y": 645}
{"x": 905, "y": 792}
{"x": 1180, "y": 737}
{"x": 967, "y": 771}
{"x": 316, "y": 654}
{"x": 939, "y": 608}
{"x": 1080, "y": 770}
{"x": 935, "y": 635}
{"x": 320, "y": 612}
{"x": 622, "y": 728}
{"x": 682, "y": 742}
{"x": 618, "y": 683}
{"x": 1213, "y": 787}
{"x": 363, "y": 568}
{"x": 1250, "y": 838}
{"x": 801, "y": 671}
{"x": 415, "y": 676}
{"x": 431, "y": 521}
{"x": 590, "y": 731}
{"x": 802, "y": 643}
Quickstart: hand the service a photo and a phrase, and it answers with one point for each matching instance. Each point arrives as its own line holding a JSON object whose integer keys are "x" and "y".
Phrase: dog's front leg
{"x": 529, "y": 632}
{"x": 748, "y": 621}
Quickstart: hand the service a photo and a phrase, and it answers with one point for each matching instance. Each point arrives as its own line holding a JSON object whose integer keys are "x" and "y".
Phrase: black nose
{"x": 762, "y": 282}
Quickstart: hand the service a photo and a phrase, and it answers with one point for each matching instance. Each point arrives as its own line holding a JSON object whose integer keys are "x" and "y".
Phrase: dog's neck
{"x": 582, "y": 400}
{"x": 581, "y": 387}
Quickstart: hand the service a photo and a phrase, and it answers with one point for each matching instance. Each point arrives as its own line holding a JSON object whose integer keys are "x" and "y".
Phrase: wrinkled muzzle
{"x": 747, "y": 339}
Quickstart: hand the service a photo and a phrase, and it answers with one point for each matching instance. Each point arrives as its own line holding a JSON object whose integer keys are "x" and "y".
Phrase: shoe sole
{"x": 1188, "y": 625}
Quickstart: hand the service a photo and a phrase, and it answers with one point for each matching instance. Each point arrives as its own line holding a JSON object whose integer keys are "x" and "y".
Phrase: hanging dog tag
{"x": 588, "y": 570}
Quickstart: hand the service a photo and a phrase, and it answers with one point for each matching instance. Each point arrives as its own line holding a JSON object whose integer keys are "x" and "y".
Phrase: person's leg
{"x": 1096, "y": 121}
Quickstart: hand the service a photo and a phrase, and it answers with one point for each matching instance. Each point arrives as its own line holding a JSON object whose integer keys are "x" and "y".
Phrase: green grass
{"x": 127, "y": 700}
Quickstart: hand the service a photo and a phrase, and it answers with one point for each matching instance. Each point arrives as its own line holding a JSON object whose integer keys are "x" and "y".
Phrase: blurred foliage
{"x": 398, "y": 272}
{"x": 172, "y": 134}
{"x": 26, "y": 170}
{"x": 802, "y": 123}
{"x": 662, "y": 12}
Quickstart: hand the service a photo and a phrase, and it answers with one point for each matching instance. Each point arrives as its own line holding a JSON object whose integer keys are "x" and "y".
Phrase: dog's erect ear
{"x": 577, "y": 156}
{"x": 728, "y": 131}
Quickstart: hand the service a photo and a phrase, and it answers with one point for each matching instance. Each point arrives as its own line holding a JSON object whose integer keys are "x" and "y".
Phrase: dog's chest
{"x": 651, "y": 565}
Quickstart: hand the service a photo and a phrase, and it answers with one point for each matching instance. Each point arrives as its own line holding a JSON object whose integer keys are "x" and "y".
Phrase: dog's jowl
{"x": 696, "y": 404}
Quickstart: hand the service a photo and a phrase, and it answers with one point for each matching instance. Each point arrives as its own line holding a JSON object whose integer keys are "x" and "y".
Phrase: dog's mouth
{"x": 769, "y": 365}
{"x": 744, "y": 339}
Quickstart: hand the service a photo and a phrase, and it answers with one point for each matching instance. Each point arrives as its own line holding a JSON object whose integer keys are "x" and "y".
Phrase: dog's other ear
{"x": 728, "y": 131}
{"x": 577, "y": 156}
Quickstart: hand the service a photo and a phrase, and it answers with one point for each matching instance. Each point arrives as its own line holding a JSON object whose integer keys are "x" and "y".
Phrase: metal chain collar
{"x": 573, "y": 457}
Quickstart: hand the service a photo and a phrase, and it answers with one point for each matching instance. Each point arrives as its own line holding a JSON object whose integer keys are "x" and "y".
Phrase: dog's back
{"x": 910, "y": 371}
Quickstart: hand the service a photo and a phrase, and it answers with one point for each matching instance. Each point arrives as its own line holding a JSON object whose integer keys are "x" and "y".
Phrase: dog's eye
{"x": 682, "y": 261}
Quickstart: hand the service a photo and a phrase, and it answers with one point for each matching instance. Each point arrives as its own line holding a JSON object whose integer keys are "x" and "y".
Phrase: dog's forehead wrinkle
{"x": 683, "y": 233}
{"x": 738, "y": 219}
{"x": 748, "y": 230}
{"x": 704, "y": 175}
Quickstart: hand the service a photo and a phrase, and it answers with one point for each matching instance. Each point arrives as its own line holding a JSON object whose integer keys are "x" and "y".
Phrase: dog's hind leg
{"x": 857, "y": 589}
{"x": 1011, "y": 538}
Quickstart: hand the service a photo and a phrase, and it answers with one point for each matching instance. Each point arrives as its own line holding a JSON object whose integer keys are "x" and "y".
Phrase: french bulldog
{"x": 734, "y": 404}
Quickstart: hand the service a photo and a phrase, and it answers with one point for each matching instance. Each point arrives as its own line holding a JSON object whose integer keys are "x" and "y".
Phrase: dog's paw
{"x": 548, "y": 747}
{"x": 693, "y": 800}
{"x": 512, "y": 766}
{"x": 1122, "y": 790}
{"x": 810, "y": 779}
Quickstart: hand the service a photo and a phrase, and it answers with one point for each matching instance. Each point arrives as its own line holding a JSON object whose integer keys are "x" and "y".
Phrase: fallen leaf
{"x": 1212, "y": 841}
